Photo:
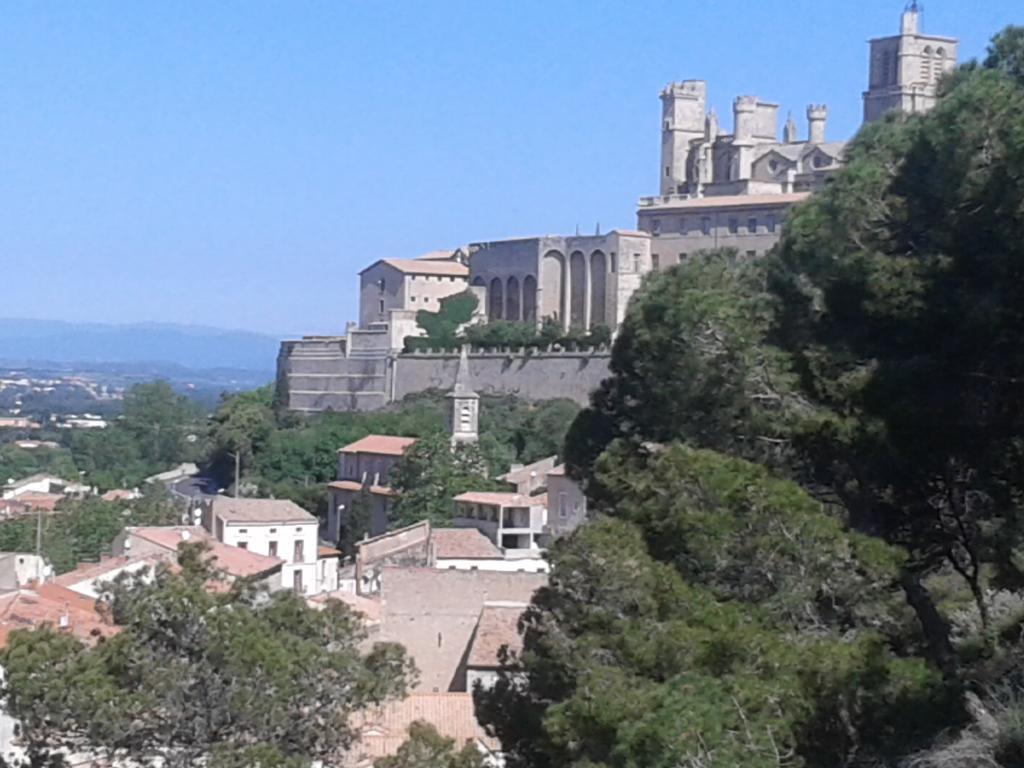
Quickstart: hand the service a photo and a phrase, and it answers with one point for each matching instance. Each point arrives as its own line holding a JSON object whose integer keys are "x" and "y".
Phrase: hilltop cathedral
{"x": 716, "y": 190}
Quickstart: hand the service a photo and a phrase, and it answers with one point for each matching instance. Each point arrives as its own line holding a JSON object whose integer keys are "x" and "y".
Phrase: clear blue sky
{"x": 236, "y": 163}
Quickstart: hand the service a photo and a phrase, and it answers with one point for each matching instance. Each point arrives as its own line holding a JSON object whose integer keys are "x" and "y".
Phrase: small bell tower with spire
{"x": 463, "y": 406}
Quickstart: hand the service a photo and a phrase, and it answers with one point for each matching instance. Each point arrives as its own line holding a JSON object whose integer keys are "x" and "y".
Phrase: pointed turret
{"x": 463, "y": 405}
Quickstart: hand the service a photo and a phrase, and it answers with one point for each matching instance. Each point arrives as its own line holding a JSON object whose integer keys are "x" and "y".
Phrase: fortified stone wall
{"x": 536, "y": 376}
{"x": 316, "y": 375}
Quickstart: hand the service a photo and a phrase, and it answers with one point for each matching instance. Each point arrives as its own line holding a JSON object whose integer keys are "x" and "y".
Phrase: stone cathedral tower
{"x": 463, "y": 406}
{"x": 905, "y": 69}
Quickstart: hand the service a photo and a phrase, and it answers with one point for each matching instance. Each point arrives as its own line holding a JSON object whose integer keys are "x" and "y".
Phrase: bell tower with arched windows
{"x": 463, "y": 406}
{"x": 905, "y": 69}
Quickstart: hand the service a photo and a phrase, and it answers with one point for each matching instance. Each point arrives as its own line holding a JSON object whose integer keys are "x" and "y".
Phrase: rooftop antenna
{"x": 597, "y": 229}
{"x": 914, "y": 6}
{"x": 577, "y": 229}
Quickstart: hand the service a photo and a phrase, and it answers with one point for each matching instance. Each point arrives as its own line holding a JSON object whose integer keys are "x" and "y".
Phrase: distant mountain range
{"x": 141, "y": 346}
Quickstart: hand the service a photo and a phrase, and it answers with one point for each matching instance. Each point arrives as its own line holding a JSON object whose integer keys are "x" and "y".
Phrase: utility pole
{"x": 238, "y": 467}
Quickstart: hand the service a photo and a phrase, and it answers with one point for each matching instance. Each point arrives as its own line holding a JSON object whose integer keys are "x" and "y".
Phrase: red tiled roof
{"x": 36, "y": 500}
{"x": 457, "y": 543}
{"x": 322, "y": 552}
{"x": 232, "y": 560}
{"x": 233, "y": 510}
{"x": 498, "y": 627}
{"x": 369, "y": 608}
{"x": 353, "y": 485}
{"x": 498, "y": 499}
{"x": 56, "y": 606}
{"x": 426, "y": 267}
{"x": 384, "y": 729}
{"x": 388, "y": 445}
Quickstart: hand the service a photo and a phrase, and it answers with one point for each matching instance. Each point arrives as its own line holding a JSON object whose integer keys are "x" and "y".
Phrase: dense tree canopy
{"x": 723, "y": 616}
{"x": 236, "y": 677}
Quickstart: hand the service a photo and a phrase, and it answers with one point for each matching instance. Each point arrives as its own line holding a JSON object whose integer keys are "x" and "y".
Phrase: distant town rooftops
{"x": 424, "y": 267}
{"x": 232, "y": 510}
{"x": 388, "y": 445}
{"x": 462, "y": 544}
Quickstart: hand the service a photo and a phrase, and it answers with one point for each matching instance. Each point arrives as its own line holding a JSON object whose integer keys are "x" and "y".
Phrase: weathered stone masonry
{"x": 315, "y": 375}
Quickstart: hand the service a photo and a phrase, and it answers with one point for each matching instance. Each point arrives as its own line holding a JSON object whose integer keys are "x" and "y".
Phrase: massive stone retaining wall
{"x": 314, "y": 375}
{"x": 536, "y": 376}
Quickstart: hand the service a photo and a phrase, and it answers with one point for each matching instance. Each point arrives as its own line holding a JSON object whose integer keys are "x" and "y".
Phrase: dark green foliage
{"x": 158, "y": 430}
{"x": 430, "y": 474}
{"x": 358, "y": 522}
{"x": 426, "y": 748}
{"x": 236, "y": 676}
{"x": 17, "y": 463}
{"x": 629, "y": 663}
{"x": 1006, "y": 53}
{"x": 692, "y": 362}
{"x": 904, "y": 297}
{"x": 83, "y": 530}
{"x": 442, "y": 327}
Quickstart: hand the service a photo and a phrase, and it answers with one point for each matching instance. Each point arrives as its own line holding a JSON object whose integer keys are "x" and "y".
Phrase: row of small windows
{"x": 382, "y": 283}
{"x": 754, "y": 225}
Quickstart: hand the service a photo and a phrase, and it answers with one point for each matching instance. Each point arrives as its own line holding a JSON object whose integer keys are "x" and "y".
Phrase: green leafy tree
{"x": 358, "y": 522}
{"x": 83, "y": 530}
{"x": 159, "y": 420}
{"x": 442, "y": 327}
{"x": 431, "y": 473}
{"x": 901, "y": 287}
{"x": 16, "y": 463}
{"x": 236, "y": 677}
{"x": 692, "y": 362}
{"x": 627, "y": 662}
{"x": 1006, "y": 53}
{"x": 426, "y": 748}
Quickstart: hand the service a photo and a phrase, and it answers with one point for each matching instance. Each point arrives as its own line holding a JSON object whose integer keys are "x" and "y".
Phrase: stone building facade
{"x": 905, "y": 69}
{"x": 716, "y": 190}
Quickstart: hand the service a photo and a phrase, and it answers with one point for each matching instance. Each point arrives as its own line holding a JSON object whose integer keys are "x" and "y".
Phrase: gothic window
{"x": 636, "y": 262}
{"x": 938, "y": 63}
{"x": 926, "y": 64}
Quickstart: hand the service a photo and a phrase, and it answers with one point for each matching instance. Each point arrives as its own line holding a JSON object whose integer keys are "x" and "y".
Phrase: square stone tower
{"x": 905, "y": 69}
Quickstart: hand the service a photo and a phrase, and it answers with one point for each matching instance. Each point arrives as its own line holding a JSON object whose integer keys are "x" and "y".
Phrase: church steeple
{"x": 463, "y": 405}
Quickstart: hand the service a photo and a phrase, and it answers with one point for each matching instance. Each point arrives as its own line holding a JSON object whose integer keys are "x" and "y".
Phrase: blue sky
{"x": 236, "y": 163}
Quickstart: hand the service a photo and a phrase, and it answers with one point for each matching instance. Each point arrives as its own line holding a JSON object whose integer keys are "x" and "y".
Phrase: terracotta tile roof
{"x": 233, "y": 510}
{"x": 94, "y": 571}
{"x": 36, "y": 500}
{"x": 462, "y": 543}
{"x": 231, "y": 560}
{"x": 426, "y": 267}
{"x": 353, "y": 485}
{"x": 732, "y": 201}
{"x": 322, "y": 552}
{"x": 498, "y": 499}
{"x": 369, "y": 608}
{"x": 442, "y": 255}
{"x": 387, "y": 445}
{"x": 56, "y": 606}
{"x": 119, "y": 494}
{"x": 384, "y": 729}
{"x": 497, "y": 628}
